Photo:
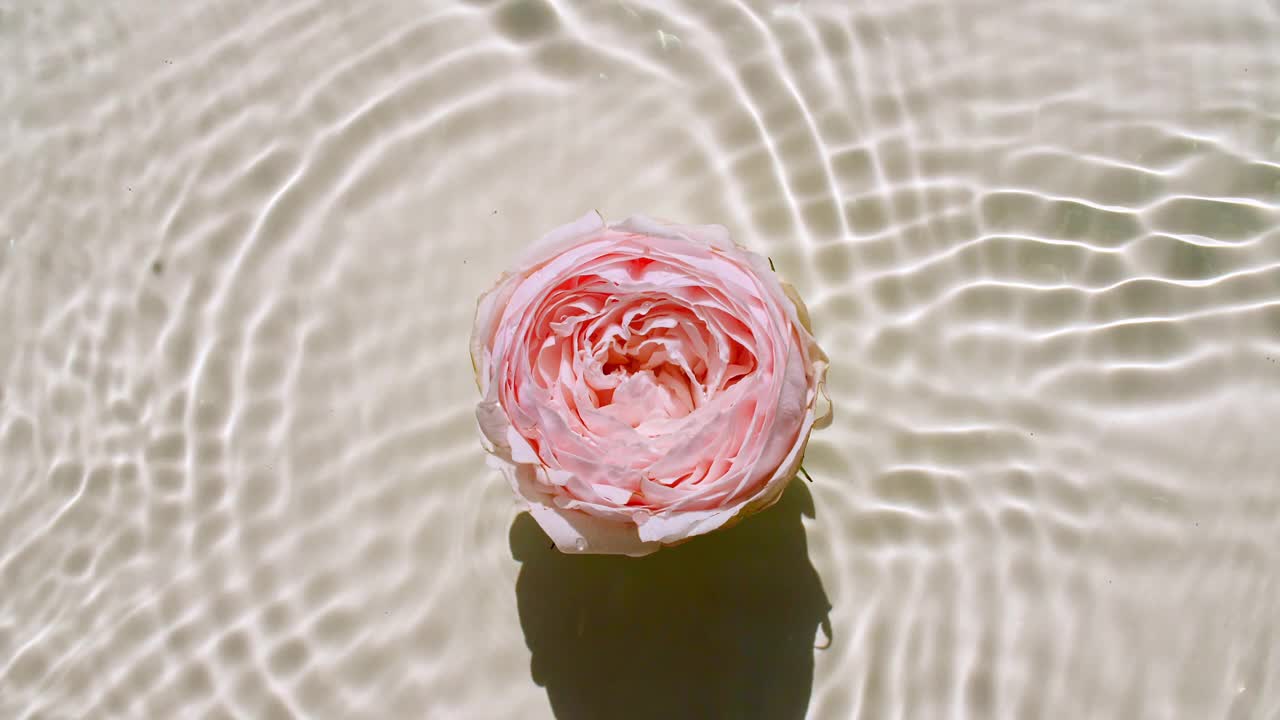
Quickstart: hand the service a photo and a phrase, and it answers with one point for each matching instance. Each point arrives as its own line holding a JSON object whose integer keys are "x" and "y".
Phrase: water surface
{"x": 240, "y": 245}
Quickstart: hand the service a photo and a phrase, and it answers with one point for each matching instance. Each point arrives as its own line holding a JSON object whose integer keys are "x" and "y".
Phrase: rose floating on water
{"x": 644, "y": 382}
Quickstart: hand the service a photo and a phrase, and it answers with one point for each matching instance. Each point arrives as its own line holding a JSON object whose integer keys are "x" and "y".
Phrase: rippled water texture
{"x": 240, "y": 245}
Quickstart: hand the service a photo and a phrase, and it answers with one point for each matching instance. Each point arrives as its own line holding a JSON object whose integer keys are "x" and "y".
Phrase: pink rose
{"x": 644, "y": 382}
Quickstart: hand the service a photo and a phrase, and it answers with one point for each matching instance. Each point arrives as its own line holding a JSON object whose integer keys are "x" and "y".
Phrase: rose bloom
{"x": 644, "y": 382}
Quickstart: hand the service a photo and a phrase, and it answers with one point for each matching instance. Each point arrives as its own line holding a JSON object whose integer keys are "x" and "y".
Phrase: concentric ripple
{"x": 240, "y": 245}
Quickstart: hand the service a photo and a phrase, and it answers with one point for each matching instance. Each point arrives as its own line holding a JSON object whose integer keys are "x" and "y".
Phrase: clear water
{"x": 240, "y": 244}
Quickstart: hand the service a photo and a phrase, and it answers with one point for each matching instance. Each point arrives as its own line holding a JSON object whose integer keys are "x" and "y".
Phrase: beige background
{"x": 240, "y": 244}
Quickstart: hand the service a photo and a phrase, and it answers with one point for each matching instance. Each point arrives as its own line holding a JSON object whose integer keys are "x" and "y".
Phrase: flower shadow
{"x": 723, "y": 626}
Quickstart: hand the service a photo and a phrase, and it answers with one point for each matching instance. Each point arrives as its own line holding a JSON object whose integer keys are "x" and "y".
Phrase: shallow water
{"x": 240, "y": 245}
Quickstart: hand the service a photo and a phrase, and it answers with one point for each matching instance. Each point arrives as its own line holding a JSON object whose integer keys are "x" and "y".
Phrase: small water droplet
{"x": 580, "y": 544}
{"x": 641, "y": 516}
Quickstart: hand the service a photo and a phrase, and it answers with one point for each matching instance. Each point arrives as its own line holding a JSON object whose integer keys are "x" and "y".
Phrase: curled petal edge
{"x": 577, "y": 532}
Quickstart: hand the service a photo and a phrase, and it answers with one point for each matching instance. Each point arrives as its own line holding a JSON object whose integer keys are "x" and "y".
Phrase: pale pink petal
{"x": 562, "y": 238}
{"x": 575, "y": 532}
{"x": 493, "y": 424}
{"x": 521, "y": 450}
{"x": 716, "y": 236}
{"x": 645, "y": 382}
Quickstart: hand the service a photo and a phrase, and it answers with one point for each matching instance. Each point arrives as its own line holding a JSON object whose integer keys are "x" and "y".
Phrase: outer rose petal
{"x": 562, "y": 238}
{"x": 716, "y": 236}
{"x": 594, "y": 513}
{"x": 572, "y": 531}
{"x": 575, "y": 532}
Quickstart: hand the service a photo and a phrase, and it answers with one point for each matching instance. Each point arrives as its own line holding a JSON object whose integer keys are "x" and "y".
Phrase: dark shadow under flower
{"x": 723, "y": 626}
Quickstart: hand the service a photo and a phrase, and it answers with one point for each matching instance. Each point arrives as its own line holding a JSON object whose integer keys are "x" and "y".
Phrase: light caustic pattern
{"x": 240, "y": 245}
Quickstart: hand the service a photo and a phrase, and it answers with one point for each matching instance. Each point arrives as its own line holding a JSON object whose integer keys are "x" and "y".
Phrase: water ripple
{"x": 239, "y": 251}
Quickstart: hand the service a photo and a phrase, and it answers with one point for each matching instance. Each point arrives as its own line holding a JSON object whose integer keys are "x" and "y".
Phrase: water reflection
{"x": 721, "y": 627}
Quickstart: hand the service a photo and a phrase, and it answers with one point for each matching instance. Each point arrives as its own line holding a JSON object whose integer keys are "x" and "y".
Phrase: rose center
{"x": 645, "y": 382}
{"x": 646, "y": 361}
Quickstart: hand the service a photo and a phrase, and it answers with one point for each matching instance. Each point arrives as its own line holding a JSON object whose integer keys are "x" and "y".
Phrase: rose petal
{"x": 575, "y": 532}
{"x": 645, "y": 382}
{"x": 562, "y": 238}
